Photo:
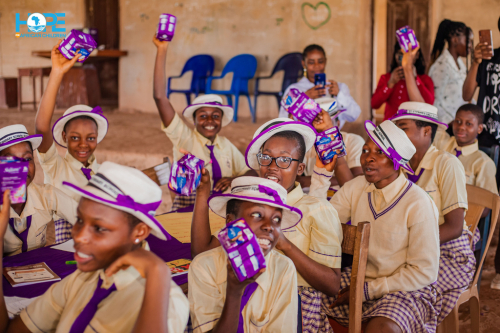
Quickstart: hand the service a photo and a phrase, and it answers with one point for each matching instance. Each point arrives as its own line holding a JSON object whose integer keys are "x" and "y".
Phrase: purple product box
{"x": 13, "y": 176}
{"x": 406, "y": 37}
{"x": 77, "y": 40}
{"x": 327, "y": 143}
{"x": 186, "y": 175}
{"x": 300, "y": 106}
{"x": 242, "y": 248}
{"x": 166, "y": 27}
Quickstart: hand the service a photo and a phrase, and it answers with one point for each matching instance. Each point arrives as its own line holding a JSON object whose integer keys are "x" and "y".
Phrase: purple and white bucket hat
{"x": 126, "y": 189}
{"x": 14, "y": 134}
{"x": 393, "y": 142}
{"x": 212, "y": 101}
{"x": 78, "y": 111}
{"x": 419, "y": 111}
{"x": 272, "y": 127}
{"x": 258, "y": 190}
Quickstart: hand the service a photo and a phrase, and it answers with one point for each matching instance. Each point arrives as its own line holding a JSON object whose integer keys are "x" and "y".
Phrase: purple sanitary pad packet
{"x": 300, "y": 106}
{"x": 242, "y": 248}
{"x": 166, "y": 27}
{"x": 406, "y": 37}
{"x": 327, "y": 143}
{"x": 185, "y": 175}
{"x": 77, "y": 40}
{"x": 13, "y": 176}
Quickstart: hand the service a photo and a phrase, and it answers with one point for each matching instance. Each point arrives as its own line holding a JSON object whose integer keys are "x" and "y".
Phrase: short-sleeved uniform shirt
{"x": 319, "y": 234}
{"x": 444, "y": 180}
{"x": 273, "y": 307}
{"x": 403, "y": 221}
{"x": 42, "y": 202}
{"x": 479, "y": 168}
{"x": 230, "y": 159}
{"x": 58, "y": 308}
{"x": 57, "y": 169}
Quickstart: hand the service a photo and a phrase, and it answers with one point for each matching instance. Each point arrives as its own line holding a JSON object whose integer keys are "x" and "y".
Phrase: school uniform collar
{"x": 294, "y": 195}
{"x": 121, "y": 279}
{"x": 449, "y": 58}
{"x": 33, "y": 202}
{"x": 429, "y": 159}
{"x": 204, "y": 141}
{"x": 391, "y": 191}
{"x": 264, "y": 281}
{"x": 77, "y": 165}
{"x": 466, "y": 150}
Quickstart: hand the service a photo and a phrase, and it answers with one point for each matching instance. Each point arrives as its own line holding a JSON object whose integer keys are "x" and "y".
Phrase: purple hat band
{"x": 420, "y": 114}
{"x": 20, "y": 139}
{"x": 272, "y": 193}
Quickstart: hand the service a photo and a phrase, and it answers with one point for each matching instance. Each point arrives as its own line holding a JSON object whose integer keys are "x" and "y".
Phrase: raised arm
{"x": 60, "y": 66}
{"x": 411, "y": 83}
{"x": 165, "y": 109}
{"x": 470, "y": 82}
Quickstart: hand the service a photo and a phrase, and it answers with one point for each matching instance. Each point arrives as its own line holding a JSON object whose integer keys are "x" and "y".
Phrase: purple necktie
{"x": 23, "y": 236}
{"x": 87, "y": 172}
{"x": 88, "y": 312}
{"x": 216, "y": 172}
{"x": 458, "y": 152}
{"x": 249, "y": 290}
{"x": 415, "y": 178}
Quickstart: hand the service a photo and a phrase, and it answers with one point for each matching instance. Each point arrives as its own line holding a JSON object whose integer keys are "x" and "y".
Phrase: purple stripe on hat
{"x": 283, "y": 123}
{"x": 214, "y": 104}
{"x": 126, "y": 201}
{"x": 27, "y": 138}
{"x": 407, "y": 113}
{"x": 375, "y": 215}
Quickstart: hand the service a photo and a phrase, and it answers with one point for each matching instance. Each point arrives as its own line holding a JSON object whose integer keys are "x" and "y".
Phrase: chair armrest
{"x": 210, "y": 79}
{"x": 170, "y": 79}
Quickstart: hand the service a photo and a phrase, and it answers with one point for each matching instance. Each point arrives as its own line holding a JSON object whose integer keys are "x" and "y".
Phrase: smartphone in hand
{"x": 320, "y": 79}
{"x": 486, "y": 36}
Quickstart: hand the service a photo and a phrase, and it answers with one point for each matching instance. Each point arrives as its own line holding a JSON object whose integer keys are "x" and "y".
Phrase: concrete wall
{"x": 266, "y": 29}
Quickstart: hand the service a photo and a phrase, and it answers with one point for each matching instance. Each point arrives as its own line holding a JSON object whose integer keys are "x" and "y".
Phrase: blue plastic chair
{"x": 291, "y": 63}
{"x": 243, "y": 67}
{"x": 202, "y": 66}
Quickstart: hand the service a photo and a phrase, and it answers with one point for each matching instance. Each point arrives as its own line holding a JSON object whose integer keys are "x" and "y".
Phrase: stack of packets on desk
{"x": 179, "y": 267}
{"x": 186, "y": 175}
{"x": 77, "y": 41}
{"x": 300, "y": 106}
{"x": 406, "y": 37}
{"x": 29, "y": 274}
{"x": 328, "y": 144}
{"x": 242, "y": 248}
{"x": 166, "y": 27}
{"x": 13, "y": 175}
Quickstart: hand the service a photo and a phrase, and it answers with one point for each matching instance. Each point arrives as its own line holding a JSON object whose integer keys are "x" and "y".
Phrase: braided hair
{"x": 447, "y": 29}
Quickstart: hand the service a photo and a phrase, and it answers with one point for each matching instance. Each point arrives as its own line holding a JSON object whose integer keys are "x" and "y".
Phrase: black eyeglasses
{"x": 282, "y": 162}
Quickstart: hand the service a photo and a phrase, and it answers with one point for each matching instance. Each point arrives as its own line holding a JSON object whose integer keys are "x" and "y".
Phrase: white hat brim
{"x": 35, "y": 140}
{"x": 421, "y": 118}
{"x": 305, "y": 130}
{"x": 291, "y": 215}
{"x": 58, "y": 128}
{"x": 97, "y": 195}
{"x": 369, "y": 128}
{"x": 227, "y": 112}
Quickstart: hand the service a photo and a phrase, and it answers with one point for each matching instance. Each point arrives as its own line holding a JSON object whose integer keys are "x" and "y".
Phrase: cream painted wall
{"x": 266, "y": 29}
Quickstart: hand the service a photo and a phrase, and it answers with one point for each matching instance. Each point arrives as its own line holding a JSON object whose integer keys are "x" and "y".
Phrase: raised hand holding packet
{"x": 166, "y": 27}
{"x": 13, "y": 176}
{"x": 77, "y": 40}
{"x": 186, "y": 175}
{"x": 406, "y": 37}
{"x": 328, "y": 144}
{"x": 301, "y": 106}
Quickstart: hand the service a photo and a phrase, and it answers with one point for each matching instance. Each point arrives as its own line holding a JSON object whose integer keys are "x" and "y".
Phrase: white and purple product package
{"x": 242, "y": 248}
{"x": 13, "y": 176}
{"x": 300, "y": 106}
{"x": 185, "y": 175}
{"x": 77, "y": 40}
{"x": 166, "y": 27}
{"x": 328, "y": 144}
{"x": 406, "y": 37}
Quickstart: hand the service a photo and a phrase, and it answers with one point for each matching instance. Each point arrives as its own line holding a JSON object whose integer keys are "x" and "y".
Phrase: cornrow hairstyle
{"x": 476, "y": 111}
{"x": 310, "y": 48}
{"x": 434, "y": 127}
{"x": 419, "y": 64}
{"x": 299, "y": 139}
{"x": 447, "y": 29}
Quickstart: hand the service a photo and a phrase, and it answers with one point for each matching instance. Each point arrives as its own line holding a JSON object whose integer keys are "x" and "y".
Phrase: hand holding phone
{"x": 320, "y": 79}
{"x": 486, "y": 38}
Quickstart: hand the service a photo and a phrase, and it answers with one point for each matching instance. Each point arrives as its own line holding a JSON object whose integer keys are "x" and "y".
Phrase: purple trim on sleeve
{"x": 320, "y": 174}
{"x": 375, "y": 215}
{"x": 328, "y": 255}
{"x": 208, "y": 322}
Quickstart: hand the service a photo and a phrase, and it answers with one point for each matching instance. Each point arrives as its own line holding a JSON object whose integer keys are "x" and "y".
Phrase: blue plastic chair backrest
{"x": 243, "y": 67}
{"x": 202, "y": 66}
{"x": 291, "y": 63}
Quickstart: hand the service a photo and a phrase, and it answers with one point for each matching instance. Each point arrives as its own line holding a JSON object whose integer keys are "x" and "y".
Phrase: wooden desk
{"x": 99, "y": 54}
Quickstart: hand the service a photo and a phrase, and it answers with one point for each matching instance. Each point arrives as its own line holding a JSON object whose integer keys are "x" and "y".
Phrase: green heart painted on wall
{"x": 316, "y": 16}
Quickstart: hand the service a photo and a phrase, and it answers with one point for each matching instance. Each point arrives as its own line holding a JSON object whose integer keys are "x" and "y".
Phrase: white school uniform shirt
{"x": 403, "y": 221}
{"x": 344, "y": 98}
{"x": 448, "y": 81}
{"x": 60, "y": 305}
{"x": 42, "y": 202}
{"x": 57, "y": 169}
